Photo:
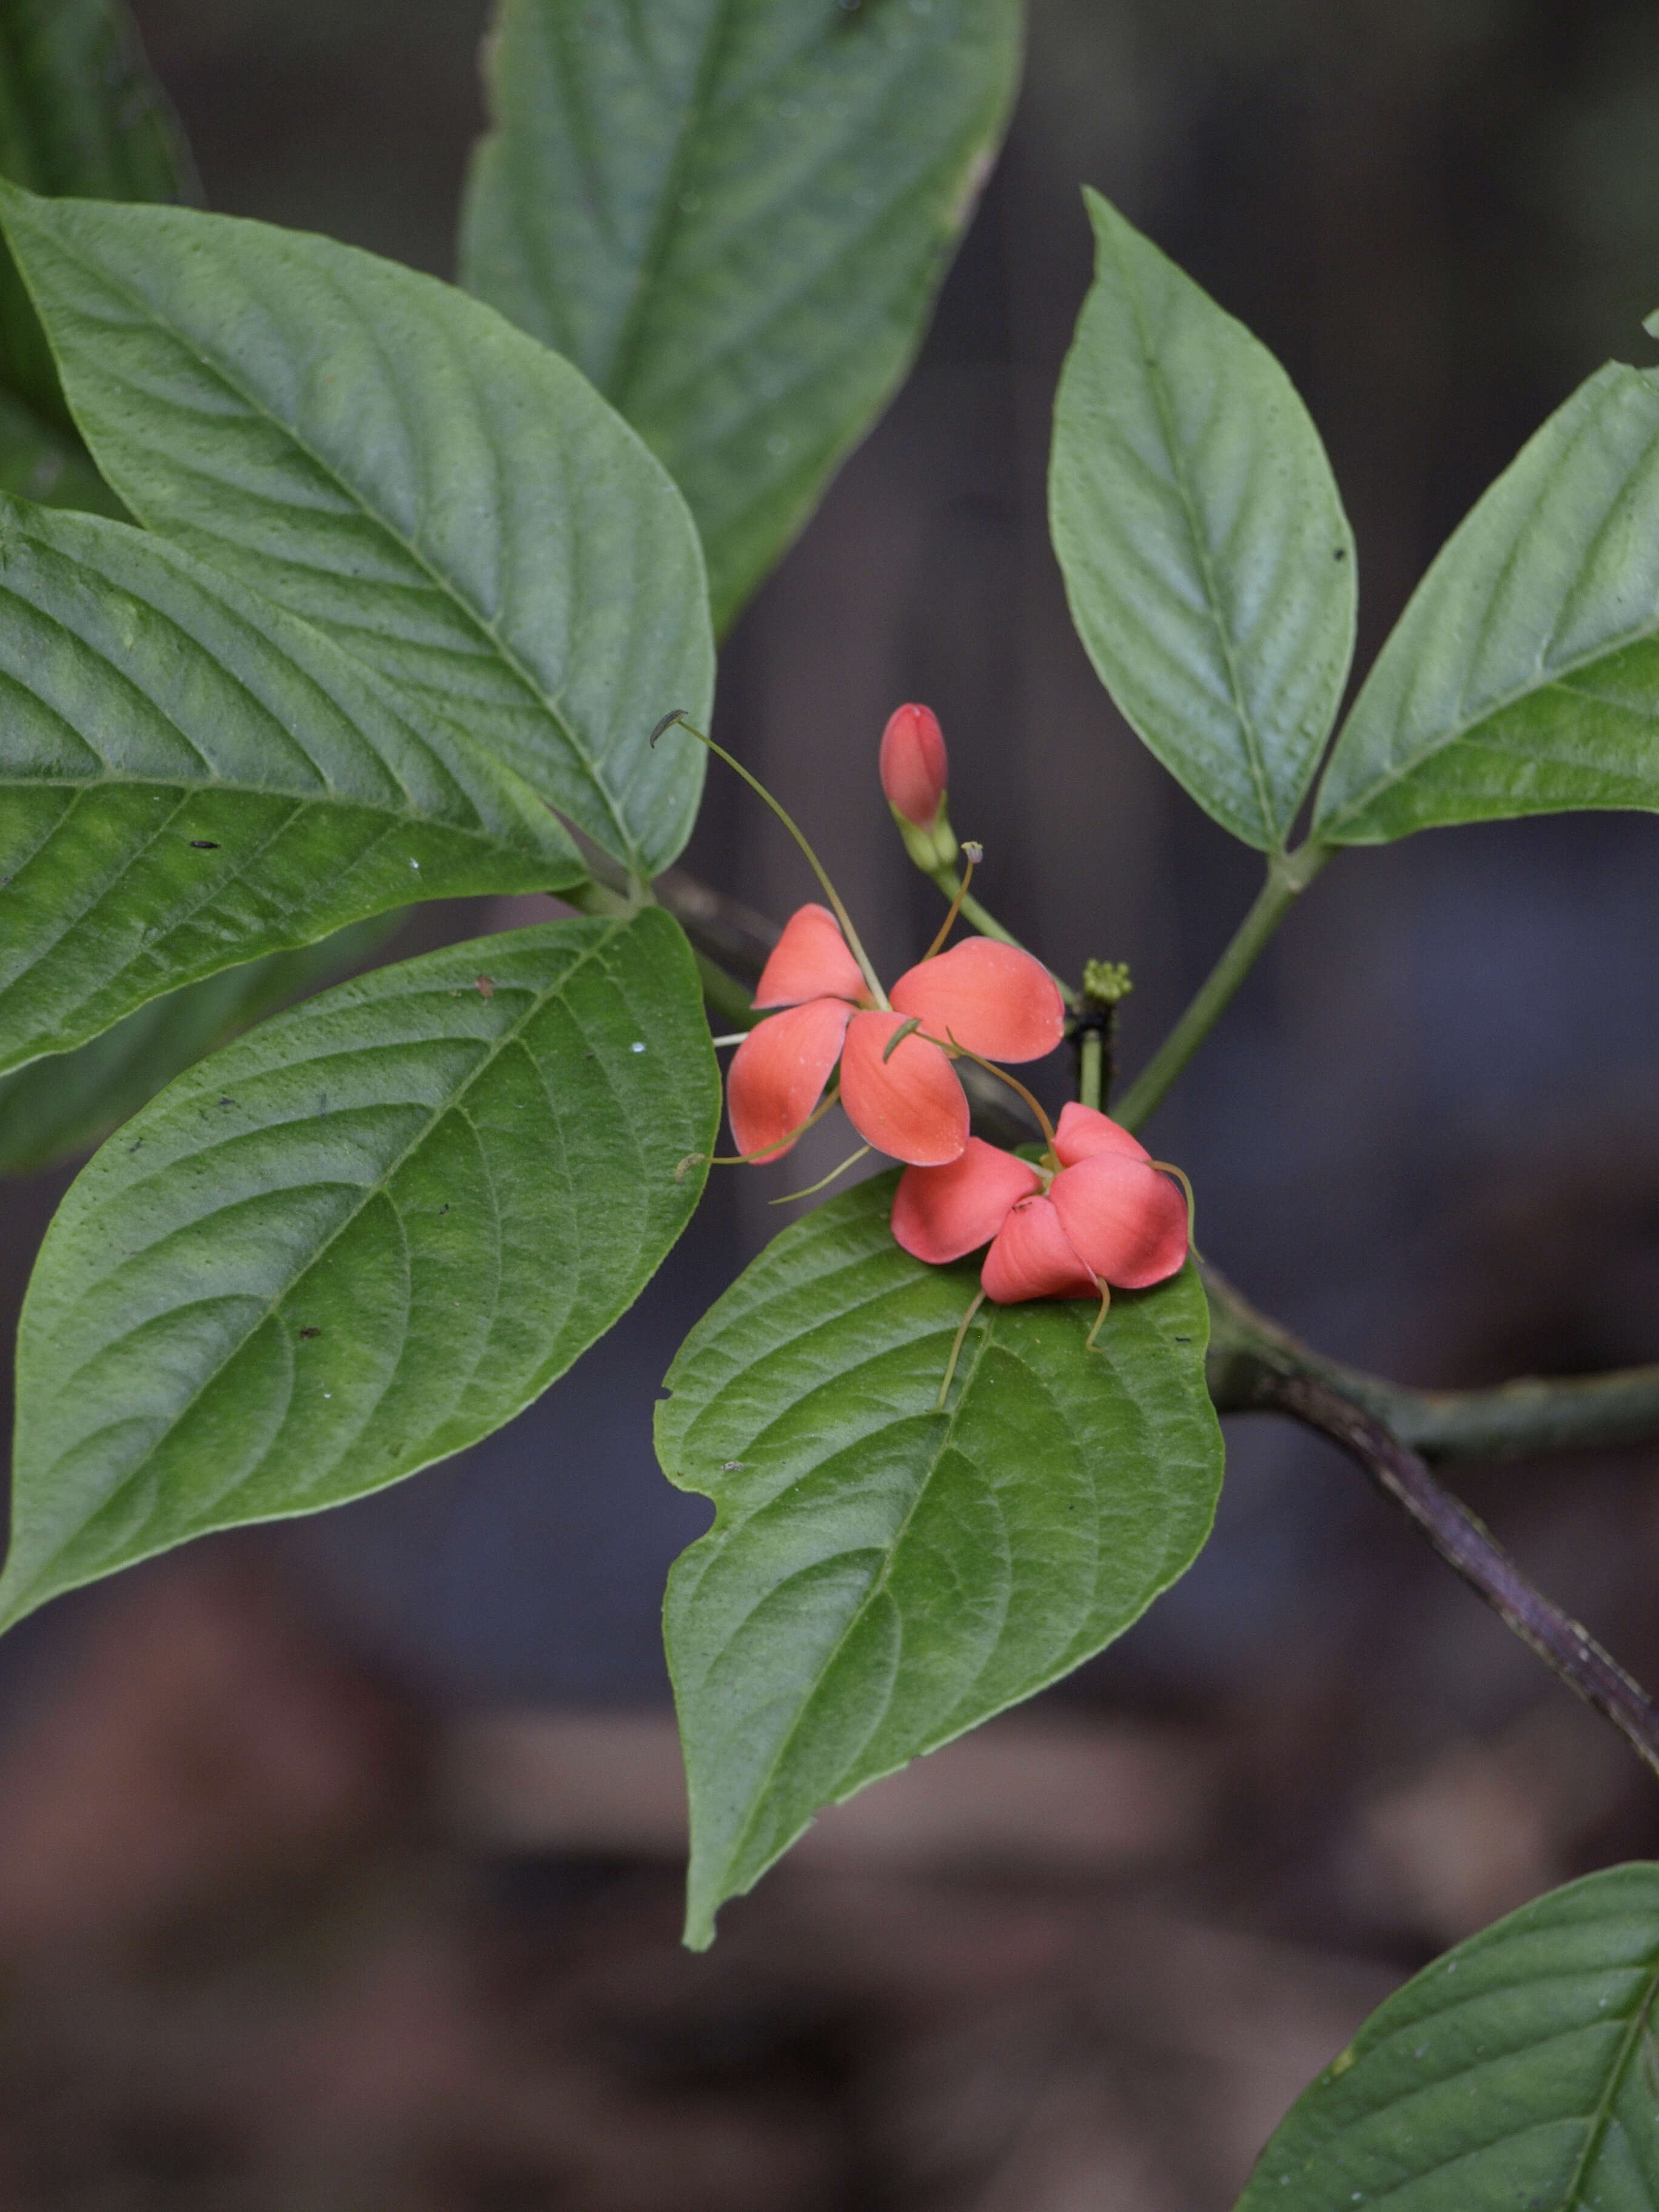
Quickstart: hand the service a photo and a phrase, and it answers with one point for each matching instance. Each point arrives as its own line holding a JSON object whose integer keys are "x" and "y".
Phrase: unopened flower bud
{"x": 914, "y": 769}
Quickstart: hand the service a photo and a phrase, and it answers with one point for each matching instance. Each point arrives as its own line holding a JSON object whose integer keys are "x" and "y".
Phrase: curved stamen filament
{"x": 1169, "y": 1168}
{"x": 1105, "y": 1289}
{"x": 948, "y": 1043}
{"x": 823, "y": 1181}
{"x": 971, "y": 852}
{"x": 769, "y": 1152}
{"x": 854, "y": 944}
{"x": 956, "y": 1350}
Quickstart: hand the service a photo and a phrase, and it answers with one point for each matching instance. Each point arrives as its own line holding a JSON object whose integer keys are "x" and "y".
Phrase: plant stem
{"x": 1465, "y": 1545}
{"x": 599, "y": 898}
{"x": 1289, "y": 875}
{"x": 725, "y": 993}
{"x": 1091, "y": 1068}
{"x": 1516, "y": 1420}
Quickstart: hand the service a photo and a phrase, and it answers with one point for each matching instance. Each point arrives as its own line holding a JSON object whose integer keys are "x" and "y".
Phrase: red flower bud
{"x": 914, "y": 768}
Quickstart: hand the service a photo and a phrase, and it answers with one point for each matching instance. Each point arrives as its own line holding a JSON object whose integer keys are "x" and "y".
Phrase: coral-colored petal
{"x": 1033, "y": 1258}
{"x": 810, "y": 960}
{"x": 910, "y": 1105}
{"x": 1082, "y": 1132}
{"x": 1128, "y": 1222}
{"x": 997, "y": 1001}
{"x": 778, "y": 1073}
{"x": 940, "y": 1214}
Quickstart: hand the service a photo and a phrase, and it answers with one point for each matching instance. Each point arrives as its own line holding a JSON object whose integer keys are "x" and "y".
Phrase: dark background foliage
{"x": 1424, "y": 1135}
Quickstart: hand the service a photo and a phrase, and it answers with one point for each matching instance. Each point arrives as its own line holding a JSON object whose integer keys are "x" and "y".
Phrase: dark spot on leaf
{"x": 203, "y": 845}
{"x": 226, "y": 1101}
{"x": 1183, "y": 1340}
{"x": 1341, "y": 553}
{"x": 486, "y": 986}
{"x": 311, "y": 1331}
{"x": 443, "y": 1209}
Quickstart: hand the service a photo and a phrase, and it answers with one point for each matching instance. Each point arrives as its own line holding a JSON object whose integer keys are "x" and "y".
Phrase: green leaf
{"x": 393, "y": 460}
{"x": 1524, "y": 677}
{"x": 79, "y": 113}
{"x": 355, "y": 1240}
{"x": 733, "y": 215}
{"x": 191, "y": 778}
{"x": 1520, "y": 2070}
{"x": 1208, "y": 561}
{"x": 881, "y": 1576}
{"x": 68, "y": 1102}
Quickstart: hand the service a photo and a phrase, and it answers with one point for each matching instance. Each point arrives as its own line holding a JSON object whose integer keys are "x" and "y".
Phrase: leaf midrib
{"x": 369, "y": 1192}
{"x": 447, "y": 589}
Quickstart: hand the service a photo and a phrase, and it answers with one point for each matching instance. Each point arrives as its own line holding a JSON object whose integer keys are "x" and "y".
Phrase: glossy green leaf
{"x": 1208, "y": 561}
{"x": 1524, "y": 677}
{"x": 1518, "y": 2074}
{"x": 79, "y": 113}
{"x": 190, "y": 778}
{"x": 67, "y": 1102}
{"x": 881, "y": 1576}
{"x": 355, "y": 1240}
{"x": 394, "y": 461}
{"x": 733, "y": 215}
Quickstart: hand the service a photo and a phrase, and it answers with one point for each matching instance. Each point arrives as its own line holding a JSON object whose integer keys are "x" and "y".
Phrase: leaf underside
{"x": 191, "y": 779}
{"x": 1208, "y": 561}
{"x": 732, "y": 214}
{"x": 881, "y": 1576}
{"x": 1524, "y": 677}
{"x": 355, "y": 1240}
{"x": 1517, "y": 2071}
{"x": 391, "y": 460}
{"x": 67, "y": 1102}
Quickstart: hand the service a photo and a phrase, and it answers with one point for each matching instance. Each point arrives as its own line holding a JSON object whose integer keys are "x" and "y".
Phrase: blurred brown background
{"x": 337, "y": 1862}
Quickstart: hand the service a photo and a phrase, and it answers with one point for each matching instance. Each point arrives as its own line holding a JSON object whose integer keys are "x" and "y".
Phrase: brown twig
{"x": 1521, "y": 1419}
{"x": 1472, "y": 1551}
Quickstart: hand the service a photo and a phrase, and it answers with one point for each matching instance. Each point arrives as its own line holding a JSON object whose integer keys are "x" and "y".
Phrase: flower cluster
{"x": 1096, "y": 1213}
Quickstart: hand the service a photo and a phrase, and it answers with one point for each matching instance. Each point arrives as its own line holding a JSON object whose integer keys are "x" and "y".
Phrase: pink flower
{"x": 903, "y": 1097}
{"x": 1109, "y": 1216}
